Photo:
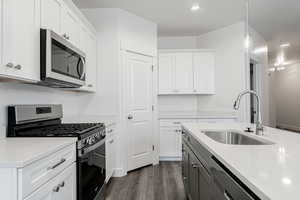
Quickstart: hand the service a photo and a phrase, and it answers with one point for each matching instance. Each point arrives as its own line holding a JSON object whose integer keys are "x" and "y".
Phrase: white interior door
{"x": 139, "y": 91}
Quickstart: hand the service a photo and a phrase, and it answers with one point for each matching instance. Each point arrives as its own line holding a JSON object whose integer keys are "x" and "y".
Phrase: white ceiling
{"x": 276, "y": 20}
{"x": 174, "y": 17}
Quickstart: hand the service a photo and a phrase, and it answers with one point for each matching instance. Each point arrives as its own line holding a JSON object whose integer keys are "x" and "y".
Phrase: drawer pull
{"x": 10, "y": 65}
{"x": 176, "y": 122}
{"x": 56, "y": 189}
{"x": 18, "y": 67}
{"x": 58, "y": 164}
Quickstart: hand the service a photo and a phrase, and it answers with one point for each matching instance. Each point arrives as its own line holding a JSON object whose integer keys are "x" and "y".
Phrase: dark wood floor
{"x": 161, "y": 182}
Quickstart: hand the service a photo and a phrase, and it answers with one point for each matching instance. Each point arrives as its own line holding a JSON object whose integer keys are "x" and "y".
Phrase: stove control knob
{"x": 89, "y": 141}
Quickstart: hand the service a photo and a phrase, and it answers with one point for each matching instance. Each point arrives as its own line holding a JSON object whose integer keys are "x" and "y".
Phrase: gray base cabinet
{"x": 196, "y": 180}
{"x": 206, "y": 178}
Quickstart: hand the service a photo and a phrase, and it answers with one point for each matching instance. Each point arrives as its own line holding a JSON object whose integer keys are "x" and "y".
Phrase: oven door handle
{"x": 92, "y": 148}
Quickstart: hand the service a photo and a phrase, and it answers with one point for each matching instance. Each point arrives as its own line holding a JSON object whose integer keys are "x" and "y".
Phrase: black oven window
{"x": 66, "y": 62}
{"x": 92, "y": 173}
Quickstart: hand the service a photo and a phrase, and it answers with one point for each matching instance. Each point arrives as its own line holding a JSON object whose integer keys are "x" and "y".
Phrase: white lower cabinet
{"x": 110, "y": 147}
{"x": 170, "y": 139}
{"x": 52, "y": 177}
{"x": 170, "y": 143}
{"x": 62, "y": 187}
{"x": 170, "y": 148}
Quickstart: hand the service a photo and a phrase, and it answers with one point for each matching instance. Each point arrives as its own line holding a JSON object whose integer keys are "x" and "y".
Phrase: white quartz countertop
{"x": 270, "y": 171}
{"x": 19, "y": 152}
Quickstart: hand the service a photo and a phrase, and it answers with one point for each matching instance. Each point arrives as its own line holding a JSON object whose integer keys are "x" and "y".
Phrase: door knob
{"x": 130, "y": 117}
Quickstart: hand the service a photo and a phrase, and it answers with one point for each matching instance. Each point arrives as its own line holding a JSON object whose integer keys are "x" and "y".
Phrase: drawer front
{"x": 62, "y": 187}
{"x": 110, "y": 131}
{"x": 226, "y": 184}
{"x": 38, "y": 173}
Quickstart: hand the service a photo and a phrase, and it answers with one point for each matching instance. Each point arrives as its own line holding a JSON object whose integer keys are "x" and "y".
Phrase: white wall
{"x": 287, "y": 84}
{"x": 118, "y": 31}
{"x": 107, "y": 96}
{"x": 185, "y": 42}
{"x": 230, "y": 68}
{"x": 261, "y": 60}
{"x": 13, "y": 93}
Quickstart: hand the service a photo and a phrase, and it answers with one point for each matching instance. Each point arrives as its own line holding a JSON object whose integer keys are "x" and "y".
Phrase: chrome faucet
{"x": 236, "y": 106}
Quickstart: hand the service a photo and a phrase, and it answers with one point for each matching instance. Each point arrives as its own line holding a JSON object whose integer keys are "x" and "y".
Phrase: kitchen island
{"x": 268, "y": 171}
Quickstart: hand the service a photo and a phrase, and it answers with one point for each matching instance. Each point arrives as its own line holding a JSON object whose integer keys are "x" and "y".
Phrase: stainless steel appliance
{"x": 45, "y": 121}
{"x": 62, "y": 64}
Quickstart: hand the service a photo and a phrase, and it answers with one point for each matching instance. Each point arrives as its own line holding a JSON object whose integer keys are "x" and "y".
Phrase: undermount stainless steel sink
{"x": 234, "y": 138}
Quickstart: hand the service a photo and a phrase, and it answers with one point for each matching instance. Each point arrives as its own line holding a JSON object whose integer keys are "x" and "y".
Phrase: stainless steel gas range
{"x": 46, "y": 121}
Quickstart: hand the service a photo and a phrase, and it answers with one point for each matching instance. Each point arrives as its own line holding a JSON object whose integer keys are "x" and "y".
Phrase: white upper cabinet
{"x": 204, "y": 72}
{"x": 186, "y": 72}
{"x": 166, "y": 71}
{"x": 21, "y": 25}
{"x": 70, "y": 26}
{"x": 183, "y": 73}
{"x": 88, "y": 44}
{"x": 20, "y": 37}
{"x": 51, "y": 15}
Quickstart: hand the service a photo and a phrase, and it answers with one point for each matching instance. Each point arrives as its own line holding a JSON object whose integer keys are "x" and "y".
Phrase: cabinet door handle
{"x": 57, "y": 164}
{"x": 56, "y": 189}
{"x": 195, "y": 90}
{"x": 18, "y": 67}
{"x": 227, "y": 195}
{"x": 195, "y": 165}
{"x": 10, "y": 65}
{"x": 112, "y": 141}
{"x": 109, "y": 131}
{"x": 66, "y": 36}
{"x": 62, "y": 184}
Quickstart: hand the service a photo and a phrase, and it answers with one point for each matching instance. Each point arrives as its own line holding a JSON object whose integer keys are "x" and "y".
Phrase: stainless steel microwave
{"x": 62, "y": 64}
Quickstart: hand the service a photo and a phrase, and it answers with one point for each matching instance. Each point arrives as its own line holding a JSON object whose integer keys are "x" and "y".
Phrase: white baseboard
{"x": 169, "y": 158}
{"x": 119, "y": 172}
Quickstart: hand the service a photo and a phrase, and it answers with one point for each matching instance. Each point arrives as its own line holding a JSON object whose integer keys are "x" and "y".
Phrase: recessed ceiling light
{"x": 285, "y": 45}
{"x": 195, "y": 7}
{"x": 260, "y": 50}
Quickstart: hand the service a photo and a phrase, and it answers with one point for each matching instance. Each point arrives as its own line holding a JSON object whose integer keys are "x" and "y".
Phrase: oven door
{"x": 61, "y": 61}
{"x": 91, "y": 172}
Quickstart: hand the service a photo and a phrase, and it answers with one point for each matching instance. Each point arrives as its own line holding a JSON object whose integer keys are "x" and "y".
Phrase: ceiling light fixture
{"x": 195, "y": 7}
{"x": 260, "y": 50}
{"x": 284, "y": 45}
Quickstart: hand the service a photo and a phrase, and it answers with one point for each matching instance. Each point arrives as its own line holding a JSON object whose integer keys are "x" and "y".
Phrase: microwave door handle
{"x": 83, "y": 70}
